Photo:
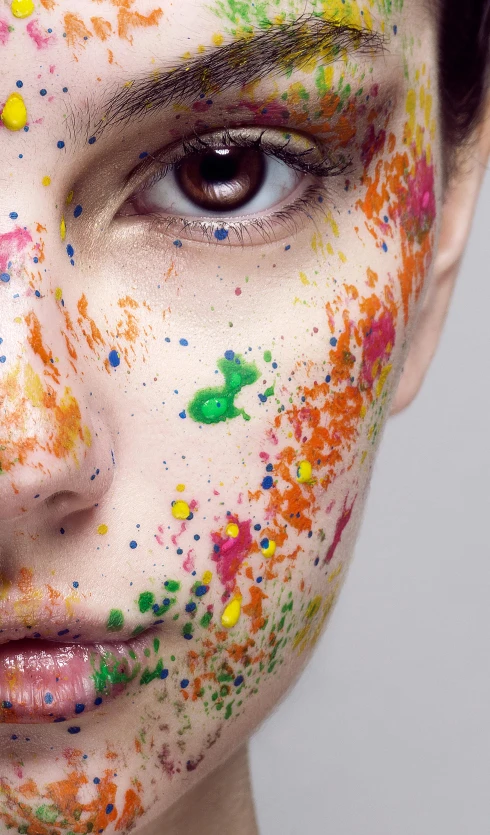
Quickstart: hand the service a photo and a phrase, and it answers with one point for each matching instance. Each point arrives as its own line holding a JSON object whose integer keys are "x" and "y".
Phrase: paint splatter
{"x": 213, "y": 405}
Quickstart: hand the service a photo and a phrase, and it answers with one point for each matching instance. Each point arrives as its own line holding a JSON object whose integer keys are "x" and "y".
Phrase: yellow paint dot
{"x": 58, "y": 294}
{"x": 207, "y": 577}
{"x": 270, "y": 549}
{"x": 63, "y": 229}
{"x": 69, "y": 198}
{"x": 180, "y": 488}
{"x": 232, "y": 530}
{"x": 22, "y": 8}
{"x": 304, "y": 472}
{"x": 102, "y": 529}
{"x": 180, "y": 510}
{"x": 231, "y": 614}
{"x": 217, "y": 39}
{"x": 14, "y": 114}
{"x": 46, "y": 181}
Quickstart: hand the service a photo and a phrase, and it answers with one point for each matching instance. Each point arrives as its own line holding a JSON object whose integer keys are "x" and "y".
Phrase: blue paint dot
{"x": 98, "y": 700}
{"x": 133, "y": 544}
{"x": 109, "y": 808}
{"x": 238, "y": 681}
{"x": 182, "y": 414}
{"x": 178, "y": 244}
{"x": 61, "y": 144}
{"x": 13, "y": 215}
{"x": 7, "y": 705}
{"x": 184, "y": 682}
{"x": 63, "y": 632}
{"x": 328, "y": 378}
{"x": 74, "y": 729}
{"x": 114, "y": 359}
{"x": 14, "y": 736}
{"x": 167, "y": 339}
{"x": 221, "y": 234}
{"x": 264, "y": 543}
{"x": 257, "y": 527}
{"x": 201, "y": 590}
{"x": 36, "y": 260}
{"x": 197, "y": 537}
{"x": 143, "y": 154}
{"x": 79, "y": 708}
{"x": 92, "y": 140}
{"x": 190, "y": 607}
{"x": 267, "y": 482}
{"x": 78, "y": 211}
{"x": 4, "y": 277}
{"x": 187, "y": 636}
{"x": 287, "y": 247}
{"x": 65, "y": 89}
{"x": 269, "y": 468}
{"x": 183, "y": 342}
{"x": 62, "y": 530}
{"x": 26, "y": 129}
{"x": 3, "y": 358}
{"x": 274, "y": 364}
{"x": 164, "y": 674}
{"x": 333, "y": 341}
{"x": 19, "y": 84}
{"x": 70, "y": 251}
{"x": 43, "y": 92}
{"x": 384, "y": 247}
{"x": 229, "y": 355}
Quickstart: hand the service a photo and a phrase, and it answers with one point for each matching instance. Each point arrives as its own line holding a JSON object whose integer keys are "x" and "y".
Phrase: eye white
{"x": 166, "y": 196}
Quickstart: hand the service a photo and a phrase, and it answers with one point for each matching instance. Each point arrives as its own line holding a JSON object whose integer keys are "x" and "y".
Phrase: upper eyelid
{"x": 168, "y": 157}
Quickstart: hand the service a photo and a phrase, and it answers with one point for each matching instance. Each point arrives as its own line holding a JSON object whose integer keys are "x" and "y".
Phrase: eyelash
{"x": 311, "y": 200}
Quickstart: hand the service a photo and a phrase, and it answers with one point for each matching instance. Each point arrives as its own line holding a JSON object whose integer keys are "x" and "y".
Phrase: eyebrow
{"x": 273, "y": 52}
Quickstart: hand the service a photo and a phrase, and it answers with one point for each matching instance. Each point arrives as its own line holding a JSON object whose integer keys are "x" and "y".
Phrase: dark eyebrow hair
{"x": 276, "y": 51}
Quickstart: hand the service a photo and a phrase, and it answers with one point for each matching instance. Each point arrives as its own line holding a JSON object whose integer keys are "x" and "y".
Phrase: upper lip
{"x": 68, "y": 633}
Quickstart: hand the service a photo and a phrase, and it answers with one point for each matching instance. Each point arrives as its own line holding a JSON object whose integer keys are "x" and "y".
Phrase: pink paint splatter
{"x": 416, "y": 206}
{"x": 12, "y": 243}
{"x": 4, "y": 32}
{"x": 229, "y": 552}
{"x": 378, "y": 345}
{"x": 40, "y": 38}
{"x": 175, "y": 537}
{"x": 189, "y": 563}
{"x": 342, "y": 523}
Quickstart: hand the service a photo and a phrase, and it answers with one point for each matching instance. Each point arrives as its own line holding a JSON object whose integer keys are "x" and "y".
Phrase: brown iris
{"x": 222, "y": 179}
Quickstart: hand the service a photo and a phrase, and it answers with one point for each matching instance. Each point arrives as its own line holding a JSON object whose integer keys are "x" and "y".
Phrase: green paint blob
{"x": 172, "y": 585}
{"x": 267, "y": 356}
{"x": 146, "y": 601}
{"x": 115, "y": 621}
{"x": 216, "y": 404}
{"x": 47, "y": 814}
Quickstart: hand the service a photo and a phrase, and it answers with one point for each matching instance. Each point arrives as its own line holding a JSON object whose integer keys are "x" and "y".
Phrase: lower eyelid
{"x": 258, "y": 228}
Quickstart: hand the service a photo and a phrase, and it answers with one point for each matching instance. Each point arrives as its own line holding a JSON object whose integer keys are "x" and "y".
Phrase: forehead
{"x": 76, "y": 59}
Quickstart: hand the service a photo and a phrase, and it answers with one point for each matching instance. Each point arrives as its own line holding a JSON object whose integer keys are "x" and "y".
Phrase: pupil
{"x": 219, "y": 168}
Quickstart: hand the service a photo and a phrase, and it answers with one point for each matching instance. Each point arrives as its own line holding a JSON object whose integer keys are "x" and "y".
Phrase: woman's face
{"x": 213, "y": 247}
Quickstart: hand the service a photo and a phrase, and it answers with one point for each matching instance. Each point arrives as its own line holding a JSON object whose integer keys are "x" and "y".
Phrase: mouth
{"x": 44, "y": 681}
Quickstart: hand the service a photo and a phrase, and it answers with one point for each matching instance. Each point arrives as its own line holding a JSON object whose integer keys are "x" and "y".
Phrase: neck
{"x": 222, "y": 801}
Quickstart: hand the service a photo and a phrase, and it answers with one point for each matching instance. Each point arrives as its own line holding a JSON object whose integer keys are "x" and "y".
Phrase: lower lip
{"x": 42, "y": 681}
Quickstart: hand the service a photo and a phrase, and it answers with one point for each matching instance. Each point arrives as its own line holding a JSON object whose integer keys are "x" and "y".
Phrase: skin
{"x": 118, "y": 338}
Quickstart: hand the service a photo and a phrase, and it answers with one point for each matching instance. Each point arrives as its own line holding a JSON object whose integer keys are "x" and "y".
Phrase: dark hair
{"x": 464, "y": 27}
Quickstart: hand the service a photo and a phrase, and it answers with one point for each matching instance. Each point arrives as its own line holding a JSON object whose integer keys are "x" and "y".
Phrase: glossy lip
{"x": 42, "y": 681}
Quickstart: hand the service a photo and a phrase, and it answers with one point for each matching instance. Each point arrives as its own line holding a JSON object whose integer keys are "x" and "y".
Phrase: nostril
{"x": 59, "y": 497}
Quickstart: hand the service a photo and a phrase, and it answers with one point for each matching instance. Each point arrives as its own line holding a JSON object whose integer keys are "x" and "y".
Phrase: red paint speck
{"x": 238, "y": 292}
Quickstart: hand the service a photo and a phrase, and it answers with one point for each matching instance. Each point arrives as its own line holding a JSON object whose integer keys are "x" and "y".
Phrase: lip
{"x": 42, "y": 681}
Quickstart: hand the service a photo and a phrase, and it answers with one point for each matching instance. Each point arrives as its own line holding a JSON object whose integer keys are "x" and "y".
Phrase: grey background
{"x": 388, "y": 730}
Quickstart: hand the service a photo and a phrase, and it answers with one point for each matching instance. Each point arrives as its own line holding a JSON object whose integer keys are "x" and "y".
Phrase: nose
{"x": 56, "y": 458}
{"x": 56, "y": 455}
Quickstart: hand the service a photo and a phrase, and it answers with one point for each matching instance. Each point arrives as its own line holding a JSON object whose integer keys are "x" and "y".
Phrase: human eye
{"x": 234, "y": 185}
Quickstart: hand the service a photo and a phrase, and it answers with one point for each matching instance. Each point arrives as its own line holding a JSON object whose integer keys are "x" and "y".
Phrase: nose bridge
{"x": 51, "y": 441}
